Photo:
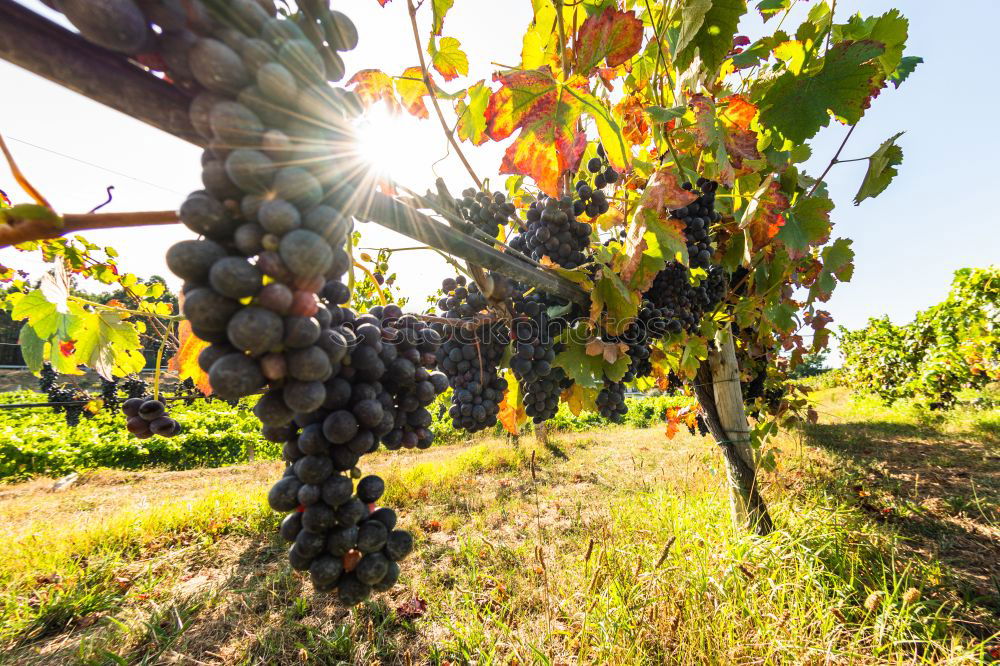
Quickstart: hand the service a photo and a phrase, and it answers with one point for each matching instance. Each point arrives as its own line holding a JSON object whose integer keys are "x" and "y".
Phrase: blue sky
{"x": 939, "y": 215}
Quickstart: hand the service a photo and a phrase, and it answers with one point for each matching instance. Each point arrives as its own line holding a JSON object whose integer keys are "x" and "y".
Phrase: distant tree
{"x": 812, "y": 365}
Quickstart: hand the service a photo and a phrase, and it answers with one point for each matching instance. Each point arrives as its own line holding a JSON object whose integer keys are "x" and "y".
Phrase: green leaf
{"x": 661, "y": 114}
{"x": 472, "y": 114}
{"x": 769, "y": 8}
{"x": 838, "y": 264}
{"x": 32, "y": 348}
{"x": 40, "y": 313}
{"x": 108, "y": 343}
{"x": 692, "y": 13}
{"x": 881, "y": 169}
{"x": 439, "y": 9}
{"x": 713, "y": 38}
{"x": 612, "y": 296}
{"x": 889, "y": 29}
{"x": 798, "y": 106}
{"x": 782, "y": 315}
{"x": 906, "y": 66}
{"x": 448, "y": 58}
{"x": 616, "y": 148}
{"x": 806, "y": 224}
{"x": 584, "y": 369}
{"x": 695, "y": 351}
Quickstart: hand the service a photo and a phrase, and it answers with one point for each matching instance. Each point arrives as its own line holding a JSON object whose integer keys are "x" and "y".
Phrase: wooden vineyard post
{"x": 717, "y": 387}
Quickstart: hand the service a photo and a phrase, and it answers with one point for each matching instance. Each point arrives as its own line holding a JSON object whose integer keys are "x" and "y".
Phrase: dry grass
{"x": 618, "y": 549}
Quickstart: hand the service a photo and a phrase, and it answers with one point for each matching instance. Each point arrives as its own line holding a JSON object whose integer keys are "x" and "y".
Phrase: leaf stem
{"x": 833, "y": 161}
{"x": 434, "y": 101}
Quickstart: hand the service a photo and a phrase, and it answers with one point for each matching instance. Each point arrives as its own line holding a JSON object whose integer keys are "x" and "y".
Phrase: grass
{"x": 609, "y": 546}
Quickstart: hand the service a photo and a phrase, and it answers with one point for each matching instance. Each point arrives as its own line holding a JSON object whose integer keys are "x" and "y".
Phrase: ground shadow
{"x": 940, "y": 492}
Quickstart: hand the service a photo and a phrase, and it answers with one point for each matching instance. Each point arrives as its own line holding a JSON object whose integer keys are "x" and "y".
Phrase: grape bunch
{"x": 541, "y": 395}
{"x": 378, "y": 392}
{"x": 553, "y": 231}
{"x": 262, "y": 283}
{"x": 68, "y": 400}
{"x": 470, "y": 357}
{"x": 697, "y": 216}
{"x": 109, "y": 393}
{"x": 604, "y": 173}
{"x": 489, "y": 213}
{"x": 592, "y": 201}
{"x": 336, "y": 533}
{"x": 651, "y": 323}
{"x": 611, "y": 401}
{"x": 149, "y": 417}
{"x": 681, "y": 303}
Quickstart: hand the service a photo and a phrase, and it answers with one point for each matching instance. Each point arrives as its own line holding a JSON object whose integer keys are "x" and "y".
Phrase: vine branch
{"x": 21, "y": 230}
{"x": 434, "y": 101}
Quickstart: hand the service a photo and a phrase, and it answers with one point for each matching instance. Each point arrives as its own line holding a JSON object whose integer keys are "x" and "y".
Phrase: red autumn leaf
{"x": 67, "y": 347}
{"x": 546, "y": 112}
{"x": 383, "y": 3}
{"x": 612, "y": 35}
{"x": 372, "y": 85}
{"x": 412, "y": 90}
{"x": 818, "y": 320}
{"x": 661, "y": 194}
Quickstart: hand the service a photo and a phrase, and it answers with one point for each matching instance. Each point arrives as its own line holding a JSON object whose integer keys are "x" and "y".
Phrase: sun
{"x": 397, "y": 147}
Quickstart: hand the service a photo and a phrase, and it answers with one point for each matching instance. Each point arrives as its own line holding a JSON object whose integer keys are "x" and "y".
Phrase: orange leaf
{"x": 550, "y": 141}
{"x": 611, "y": 351}
{"x": 67, "y": 348}
{"x": 185, "y": 361}
{"x": 372, "y": 85}
{"x": 635, "y": 123}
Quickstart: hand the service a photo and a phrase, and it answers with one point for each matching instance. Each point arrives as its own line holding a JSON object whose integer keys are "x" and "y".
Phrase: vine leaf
{"x": 653, "y": 238}
{"x": 889, "y": 29}
{"x": 373, "y": 85}
{"x": 612, "y": 35}
{"x": 807, "y": 224}
{"x": 439, "y": 8}
{"x": 798, "y": 106}
{"x": 412, "y": 90}
{"x": 32, "y": 349}
{"x": 764, "y": 216}
{"x": 185, "y": 361}
{"x": 613, "y": 303}
{"x": 610, "y": 351}
{"x": 448, "y": 58}
{"x": 707, "y": 31}
{"x": 906, "y": 67}
{"x": 724, "y": 130}
{"x": 549, "y": 142}
{"x": 108, "y": 343}
{"x": 881, "y": 169}
{"x": 472, "y": 114}
{"x": 579, "y": 399}
{"x": 512, "y": 412}
{"x": 838, "y": 265}
{"x": 586, "y": 370}
{"x": 546, "y": 112}
{"x": 383, "y": 3}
